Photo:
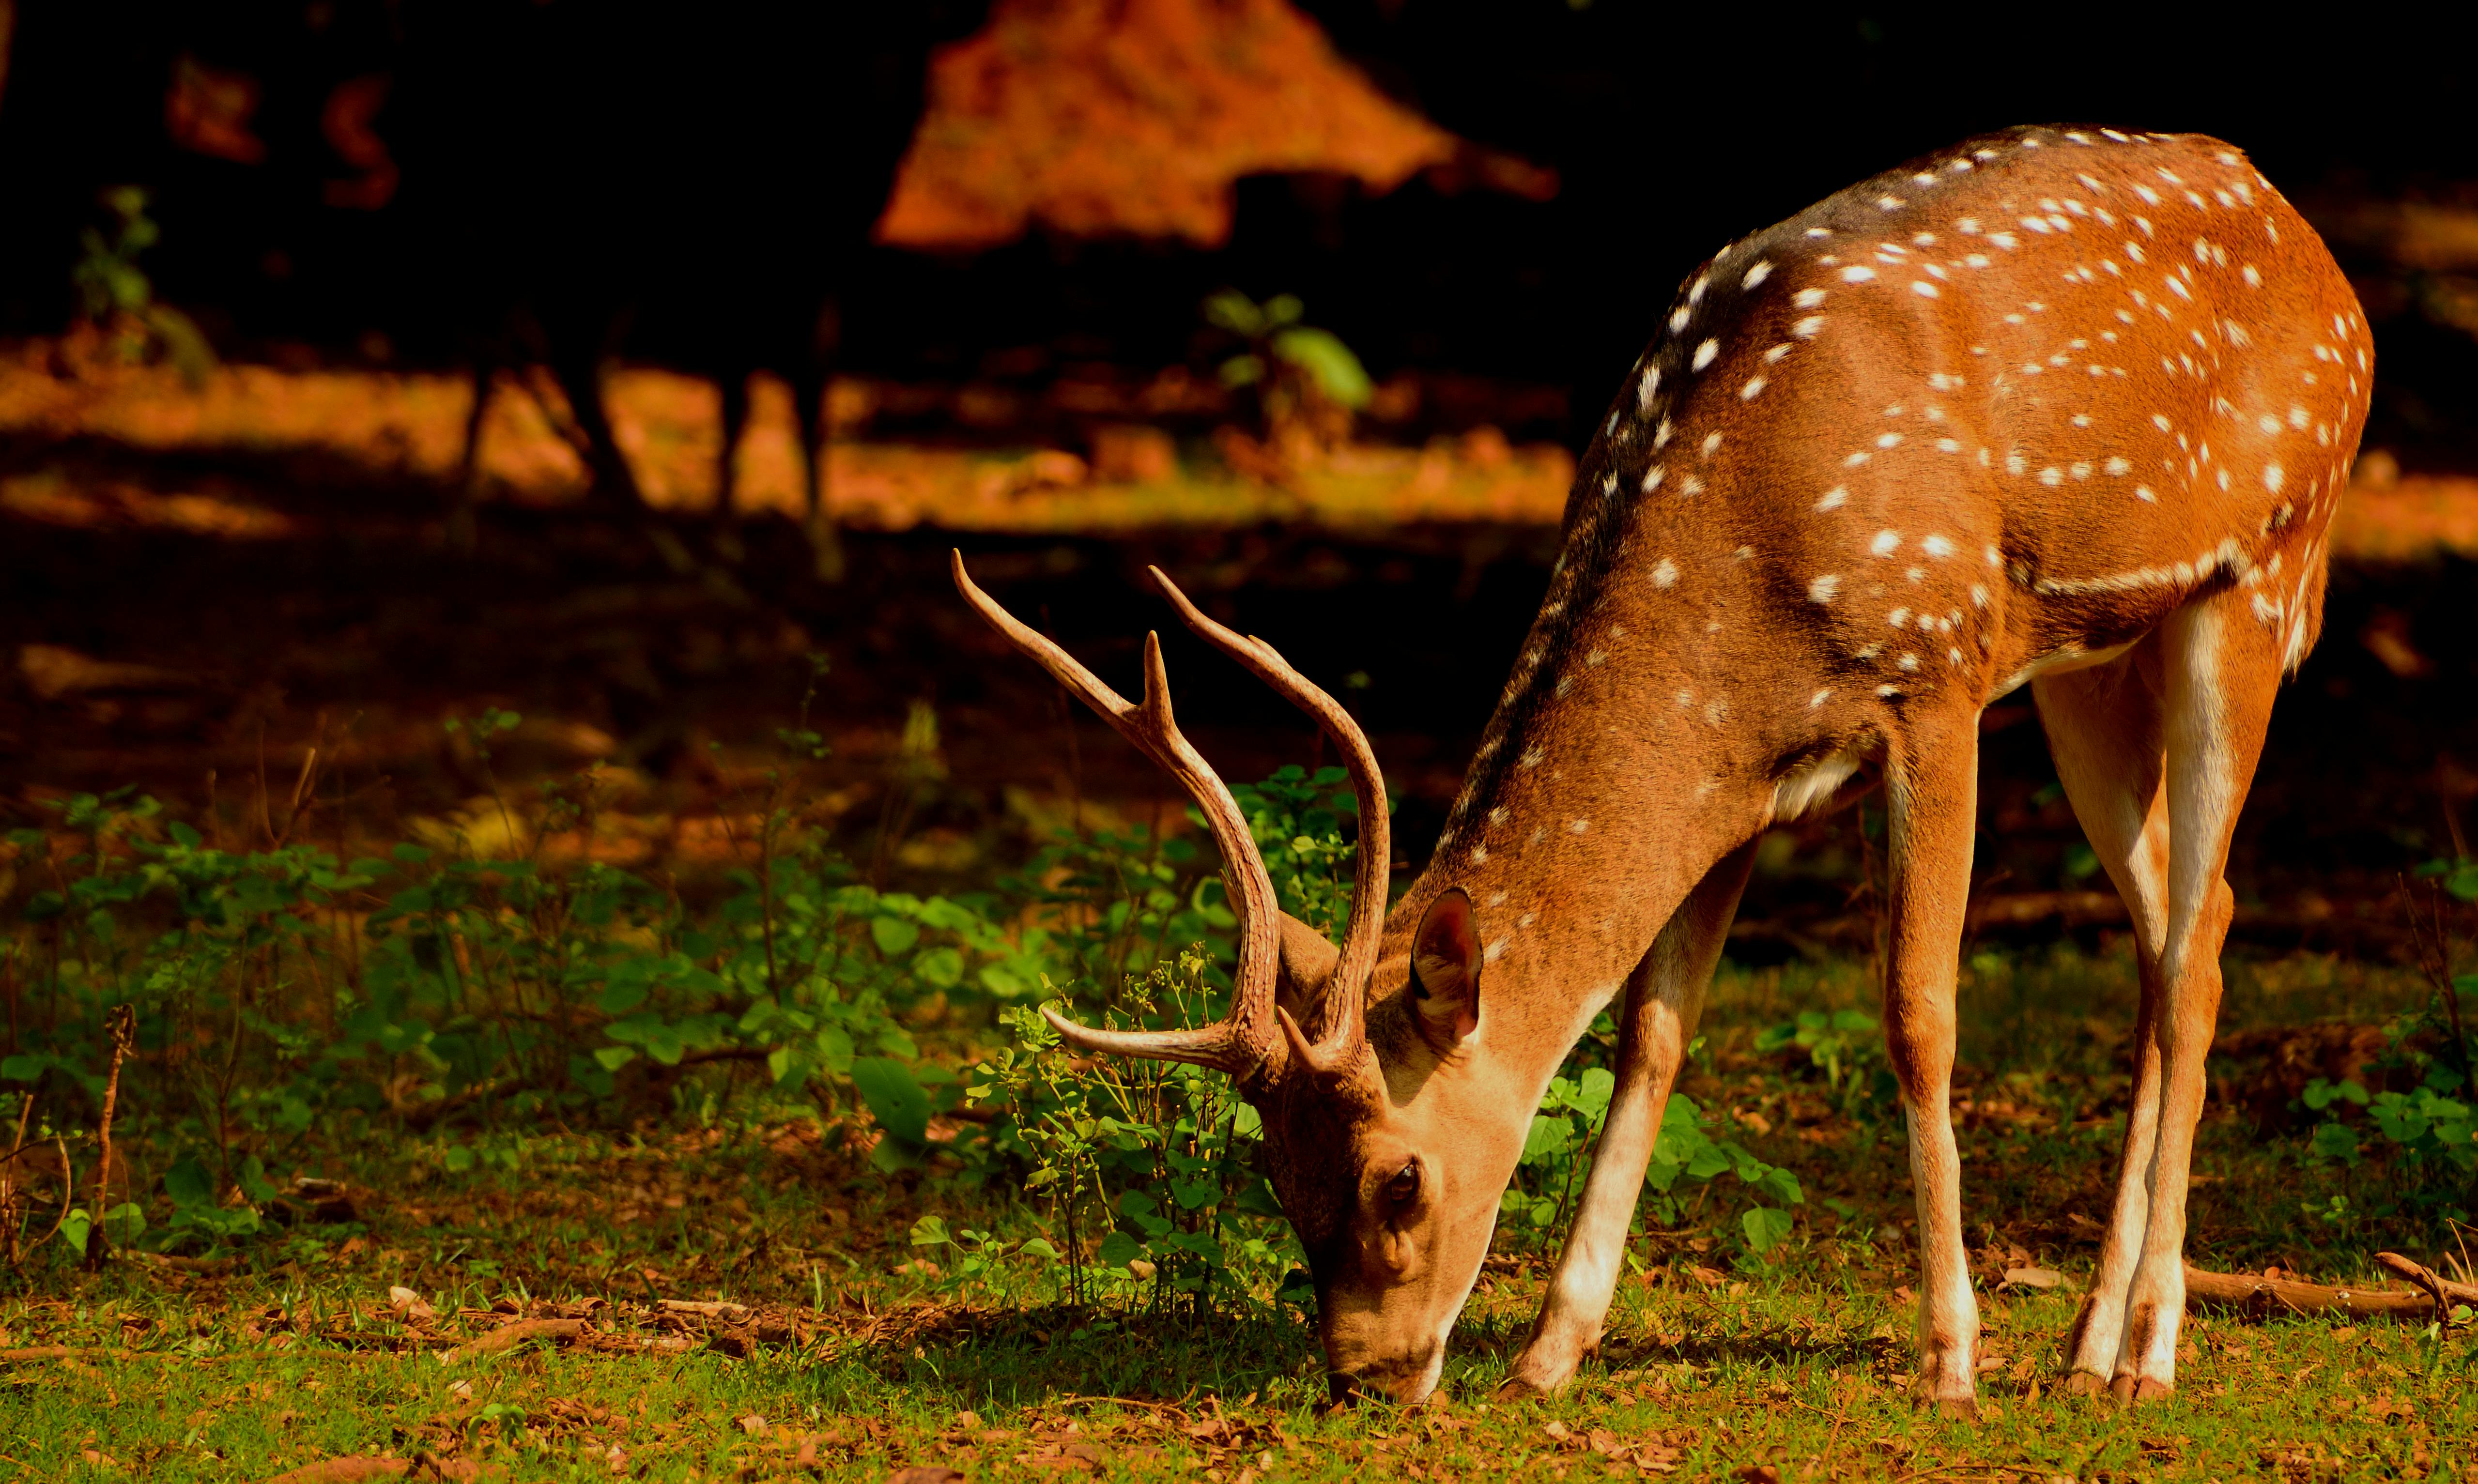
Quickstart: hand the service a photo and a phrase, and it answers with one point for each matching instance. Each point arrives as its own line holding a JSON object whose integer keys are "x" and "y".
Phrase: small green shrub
{"x": 2425, "y": 1149}
{"x": 1686, "y": 1159}
{"x": 116, "y": 296}
{"x": 1847, "y": 1047}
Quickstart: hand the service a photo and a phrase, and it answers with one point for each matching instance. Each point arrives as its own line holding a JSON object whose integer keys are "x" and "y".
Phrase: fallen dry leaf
{"x": 1074, "y": 1457}
{"x": 2032, "y": 1277}
{"x": 508, "y": 1337}
{"x": 349, "y": 1470}
{"x": 410, "y": 1305}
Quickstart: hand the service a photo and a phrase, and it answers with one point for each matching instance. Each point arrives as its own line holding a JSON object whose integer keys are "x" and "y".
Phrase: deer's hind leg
{"x": 2222, "y": 667}
{"x": 2216, "y": 669}
{"x": 1664, "y": 997}
{"x": 2104, "y": 728}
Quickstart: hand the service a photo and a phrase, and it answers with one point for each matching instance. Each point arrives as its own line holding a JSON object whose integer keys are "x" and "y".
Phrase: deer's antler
{"x": 1248, "y": 1044}
{"x": 1341, "y": 1033}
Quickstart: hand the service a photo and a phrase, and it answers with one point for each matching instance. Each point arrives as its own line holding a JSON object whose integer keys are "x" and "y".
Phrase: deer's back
{"x": 2021, "y": 398}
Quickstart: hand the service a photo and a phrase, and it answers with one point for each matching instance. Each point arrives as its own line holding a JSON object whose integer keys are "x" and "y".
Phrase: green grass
{"x": 860, "y": 1357}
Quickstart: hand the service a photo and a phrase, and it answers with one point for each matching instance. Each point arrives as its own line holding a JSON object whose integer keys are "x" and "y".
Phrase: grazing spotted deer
{"x": 2064, "y": 408}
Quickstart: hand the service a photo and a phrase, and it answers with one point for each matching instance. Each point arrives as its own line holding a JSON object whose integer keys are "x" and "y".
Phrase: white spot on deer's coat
{"x": 1886, "y": 543}
{"x": 1833, "y": 498}
{"x": 1808, "y": 298}
{"x": 1823, "y": 589}
{"x": 1754, "y": 388}
{"x": 1857, "y": 273}
{"x": 1664, "y": 576}
{"x": 1579, "y": 826}
{"x": 1705, "y": 354}
{"x": 1755, "y": 275}
{"x": 1937, "y": 546}
{"x": 2272, "y": 477}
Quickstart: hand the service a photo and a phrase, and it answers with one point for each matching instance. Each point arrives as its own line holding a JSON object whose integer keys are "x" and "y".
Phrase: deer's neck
{"x": 1620, "y": 765}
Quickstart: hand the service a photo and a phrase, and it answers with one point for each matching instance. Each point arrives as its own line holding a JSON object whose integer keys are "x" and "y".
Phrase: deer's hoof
{"x": 2136, "y": 1390}
{"x": 1520, "y": 1387}
{"x": 1946, "y": 1398}
{"x": 2084, "y": 1383}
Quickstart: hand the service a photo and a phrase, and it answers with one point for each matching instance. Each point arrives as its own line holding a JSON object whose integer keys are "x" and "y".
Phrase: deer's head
{"x": 1388, "y": 1138}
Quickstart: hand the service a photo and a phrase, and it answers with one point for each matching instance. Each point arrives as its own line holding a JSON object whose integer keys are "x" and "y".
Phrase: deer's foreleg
{"x": 1932, "y": 784}
{"x": 1664, "y": 997}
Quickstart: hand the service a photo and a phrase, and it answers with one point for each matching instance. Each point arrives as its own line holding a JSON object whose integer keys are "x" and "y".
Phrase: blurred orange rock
{"x": 1134, "y": 117}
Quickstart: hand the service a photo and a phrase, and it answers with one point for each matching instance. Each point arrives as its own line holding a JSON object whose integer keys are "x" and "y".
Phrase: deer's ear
{"x": 1445, "y": 967}
{"x": 1306, "y": 967}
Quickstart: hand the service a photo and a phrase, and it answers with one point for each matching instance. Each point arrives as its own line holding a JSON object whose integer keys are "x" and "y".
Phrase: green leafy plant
{"x": 1845, "y": 1046}
{"x": 1297, "y": 818}
{"x": 1685, "y": 1158}
{"x": 2426, "y": 1144}
{"x": 1278, "y": 343}
{"x": 1149, "y": 1168}
{"x": 116, "y": 296}
{"x": 1306, "y": 382}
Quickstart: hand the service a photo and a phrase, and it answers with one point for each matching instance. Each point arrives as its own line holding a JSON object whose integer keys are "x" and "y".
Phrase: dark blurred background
{"x": 409, "y": 187}
{"x": 712, "y": 162}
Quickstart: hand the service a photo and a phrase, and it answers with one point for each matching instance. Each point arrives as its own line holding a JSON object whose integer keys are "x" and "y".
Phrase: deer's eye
{"x": 1405, "y": 1185}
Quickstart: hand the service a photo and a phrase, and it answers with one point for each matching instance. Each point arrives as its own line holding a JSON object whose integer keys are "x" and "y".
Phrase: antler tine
{"x": 1344, "y": 1004}
{"x": 1247, "y": 1041}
